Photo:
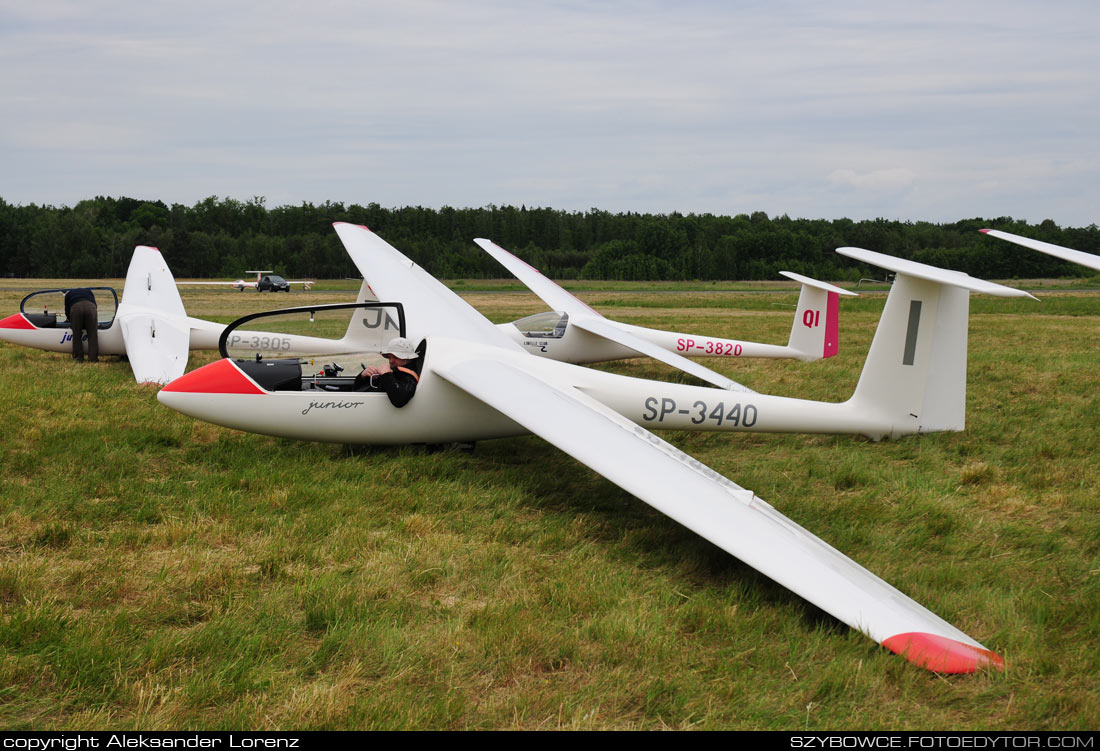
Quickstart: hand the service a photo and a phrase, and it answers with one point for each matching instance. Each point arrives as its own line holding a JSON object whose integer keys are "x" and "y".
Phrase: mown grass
{"x": 158, "y": 572}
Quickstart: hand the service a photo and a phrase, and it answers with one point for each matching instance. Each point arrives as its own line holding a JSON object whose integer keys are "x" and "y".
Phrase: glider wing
{"x": 719, "y": 510}
{"x": 393, "y": 277}
{"x": 1066, "y": 254}
{"x": 547, "y": 291}
{"x": 584, "y": 317}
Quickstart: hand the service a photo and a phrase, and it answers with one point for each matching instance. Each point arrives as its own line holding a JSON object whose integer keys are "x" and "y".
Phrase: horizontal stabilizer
{"x": 932, "y": 273}
{"x": 810, "y": 282}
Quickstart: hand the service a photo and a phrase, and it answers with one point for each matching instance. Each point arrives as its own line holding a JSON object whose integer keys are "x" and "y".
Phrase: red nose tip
{"x": 221, "y": 377}
{"x": 16, "y": 321}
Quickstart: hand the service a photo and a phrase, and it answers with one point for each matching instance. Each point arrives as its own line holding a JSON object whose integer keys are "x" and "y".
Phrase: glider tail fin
{"x": 916, "y": 367}
{"x": 363, "y": 329}
{"x": 914, "y": 377}
{"x": 815, "y": 332}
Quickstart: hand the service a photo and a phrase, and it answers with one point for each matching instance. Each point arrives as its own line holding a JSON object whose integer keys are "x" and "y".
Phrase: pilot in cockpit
{"x": 399, "y": 382}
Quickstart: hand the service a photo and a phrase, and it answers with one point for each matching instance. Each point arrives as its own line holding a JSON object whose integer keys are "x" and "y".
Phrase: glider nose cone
{"x": 942, "y": 655}
{"x": 14, "y": 329}
{"x": 221, "y": 377}
{"x": 16, "y": 321}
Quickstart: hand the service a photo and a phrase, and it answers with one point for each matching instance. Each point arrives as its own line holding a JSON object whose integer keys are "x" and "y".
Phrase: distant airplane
{"x": 1066, "y": 254}
{"x": 476, "y": 383}
{"x": 578, "y": 334}
{"x": 266, "y": 281}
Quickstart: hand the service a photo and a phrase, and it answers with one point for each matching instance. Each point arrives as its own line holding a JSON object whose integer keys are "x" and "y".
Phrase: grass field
{"x": 161, "y": 573}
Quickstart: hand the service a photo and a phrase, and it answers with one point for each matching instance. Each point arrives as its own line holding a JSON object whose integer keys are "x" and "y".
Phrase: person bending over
{"x": 80, "y": 309}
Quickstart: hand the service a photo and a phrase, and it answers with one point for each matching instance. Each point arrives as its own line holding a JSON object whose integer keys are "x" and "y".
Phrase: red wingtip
{"x": 221, "y": 377}
{"x": 983, "y": 231}
{"x": 942, "y": 655}
{"x": 16, "y": 321}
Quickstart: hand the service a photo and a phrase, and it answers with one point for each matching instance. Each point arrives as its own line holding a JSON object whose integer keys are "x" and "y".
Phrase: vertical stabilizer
{"x": 815, "y": 332}
{"x": 914, "y": 378}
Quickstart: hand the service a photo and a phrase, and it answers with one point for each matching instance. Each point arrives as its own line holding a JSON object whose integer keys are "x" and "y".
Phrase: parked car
{"x": 272, "y": 283}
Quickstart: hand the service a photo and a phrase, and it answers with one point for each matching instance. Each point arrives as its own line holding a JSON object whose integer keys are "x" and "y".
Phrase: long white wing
{"x": 584, "y": 317}
{"x": 608, "y": 330}
{"x": 721, "y": 511}
{"x": 1066, "y": 254}
{"x": 156, "y": 346}
{"x": 546, "y": 290}
{"x": 433, "y": 309}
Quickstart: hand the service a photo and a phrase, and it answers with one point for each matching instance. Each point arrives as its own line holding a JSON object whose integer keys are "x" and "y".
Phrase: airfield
{"x": 157, "y": 572}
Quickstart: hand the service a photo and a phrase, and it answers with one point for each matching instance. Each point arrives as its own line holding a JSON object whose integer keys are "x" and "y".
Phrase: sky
{"x": 932, "y": 111}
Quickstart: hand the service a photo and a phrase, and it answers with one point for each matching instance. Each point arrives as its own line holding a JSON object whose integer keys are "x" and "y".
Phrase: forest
{"x": 222, "y": 237}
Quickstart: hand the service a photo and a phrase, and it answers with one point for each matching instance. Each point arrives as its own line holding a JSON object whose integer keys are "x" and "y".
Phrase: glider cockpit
{"x": 45, "y": 309}
{"x": 314, "y": 348}
{"x": 548, "y": 325}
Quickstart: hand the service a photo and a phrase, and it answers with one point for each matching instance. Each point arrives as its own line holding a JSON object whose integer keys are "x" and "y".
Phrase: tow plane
{"x": 574, "y": 332}
{"x": 477, "y": 383}
{"x": 1066, "y": 254}
{"x": 266, "y": 281}
{"x": 150, "y": 326}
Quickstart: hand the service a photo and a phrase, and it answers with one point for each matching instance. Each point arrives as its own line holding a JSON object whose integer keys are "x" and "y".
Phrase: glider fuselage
{"x": 223, "y": 393}
{"x": 581, "y": 347}
{"x": 18, "y": 329}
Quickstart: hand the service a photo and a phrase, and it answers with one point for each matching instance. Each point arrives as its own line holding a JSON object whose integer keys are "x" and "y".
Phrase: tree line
{"x": 221, "y": 237}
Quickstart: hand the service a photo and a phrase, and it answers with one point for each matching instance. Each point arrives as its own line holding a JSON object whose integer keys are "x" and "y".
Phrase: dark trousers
{"x": 84, "y": 319}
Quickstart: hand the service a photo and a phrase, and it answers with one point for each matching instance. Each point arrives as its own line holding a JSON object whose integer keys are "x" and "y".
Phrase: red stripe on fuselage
{"x": 17, "y": 321}
{"x": 942, "y": 655}
{"x": 221, "y": 377}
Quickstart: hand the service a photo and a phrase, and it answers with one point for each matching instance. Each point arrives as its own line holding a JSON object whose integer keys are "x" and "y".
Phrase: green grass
{"x": 159, "y": 572}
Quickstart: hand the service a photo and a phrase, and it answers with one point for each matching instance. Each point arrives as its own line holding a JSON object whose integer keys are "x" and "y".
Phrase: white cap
{"x": 401, "y": 347}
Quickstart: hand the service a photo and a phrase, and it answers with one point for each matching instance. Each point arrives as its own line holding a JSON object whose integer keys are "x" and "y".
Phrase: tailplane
{"x": 914, "y": 378}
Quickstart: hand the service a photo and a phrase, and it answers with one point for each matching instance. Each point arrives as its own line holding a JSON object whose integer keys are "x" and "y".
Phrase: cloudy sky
{"x": 916, "y": 110}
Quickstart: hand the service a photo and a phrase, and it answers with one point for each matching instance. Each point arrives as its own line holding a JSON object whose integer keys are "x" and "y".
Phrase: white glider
{"x": 476, "y": 383}
{"x": 576, "y": 333}
{"x": 150, "y": 326}
{"x": 1066, "y": 254}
